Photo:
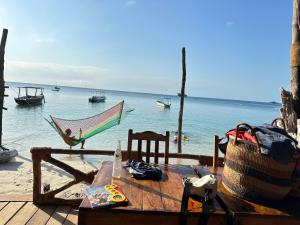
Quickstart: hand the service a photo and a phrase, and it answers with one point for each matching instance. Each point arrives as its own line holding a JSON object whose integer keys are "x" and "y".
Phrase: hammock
{"x": 74, "y": 132}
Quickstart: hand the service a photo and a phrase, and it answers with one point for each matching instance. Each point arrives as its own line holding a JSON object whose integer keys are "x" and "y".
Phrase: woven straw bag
{"x": 295, "y": 191}
{"x": 249, "y": 174}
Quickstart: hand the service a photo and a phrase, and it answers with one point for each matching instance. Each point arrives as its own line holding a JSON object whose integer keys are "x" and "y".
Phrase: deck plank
{"x": 3, "y": 204}
{"x": 72, "y": 218}
{"x": 42, "y": 215}
{"x": 16, "y": 198}
{"x": 59, "y": 216}
{"x": 9, "y": 211}
{"x": 24, "y": 214}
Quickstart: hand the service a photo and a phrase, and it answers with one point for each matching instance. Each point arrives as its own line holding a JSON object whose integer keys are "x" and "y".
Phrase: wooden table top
{"x": 286, "y": 211}
{"x": 146, "y": 196}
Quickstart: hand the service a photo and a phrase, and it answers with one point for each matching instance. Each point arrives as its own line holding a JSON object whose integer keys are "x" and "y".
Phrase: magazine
{"x": 109, "y": 195}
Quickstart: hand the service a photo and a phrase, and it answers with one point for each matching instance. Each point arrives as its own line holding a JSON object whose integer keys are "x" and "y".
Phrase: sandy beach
{"x": 16, "y": 176}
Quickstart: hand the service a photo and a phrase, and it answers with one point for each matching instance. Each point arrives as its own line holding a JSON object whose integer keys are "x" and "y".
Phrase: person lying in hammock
{"x": 68, "y": 133}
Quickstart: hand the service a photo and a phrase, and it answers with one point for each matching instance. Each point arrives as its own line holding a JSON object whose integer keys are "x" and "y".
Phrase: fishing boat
{"x": 56, "y": 88}
{"x": 98, "y": 97}
{"x": 164, "y": 102}
{"x": 29, "y": 99}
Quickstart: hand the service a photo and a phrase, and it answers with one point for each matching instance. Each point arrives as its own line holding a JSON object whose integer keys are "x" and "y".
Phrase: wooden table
{"x": 150, "y": 202}
{"x": 243, "y": 212}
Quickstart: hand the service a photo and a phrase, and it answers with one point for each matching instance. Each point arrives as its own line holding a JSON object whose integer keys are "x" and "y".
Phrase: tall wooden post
{"x": 295, "y": 58}
{"x": 182, "y": 94}
{"x": 2, "y": 88}
{"x": 290, "y": 110}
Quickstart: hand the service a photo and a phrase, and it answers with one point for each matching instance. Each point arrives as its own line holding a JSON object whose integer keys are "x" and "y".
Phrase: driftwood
{"x": 288, "y": 112}
{"x": 49, "y": 197}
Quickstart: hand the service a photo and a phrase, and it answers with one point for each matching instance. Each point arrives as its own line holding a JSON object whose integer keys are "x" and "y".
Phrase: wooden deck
{"x": 15, "y": 210}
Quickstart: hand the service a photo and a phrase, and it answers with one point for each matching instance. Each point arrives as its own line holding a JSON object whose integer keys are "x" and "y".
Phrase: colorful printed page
{"x": 106, "y": 196}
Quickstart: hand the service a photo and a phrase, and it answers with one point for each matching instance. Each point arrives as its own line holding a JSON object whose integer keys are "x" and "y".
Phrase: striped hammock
{"x": 74, "y": 132}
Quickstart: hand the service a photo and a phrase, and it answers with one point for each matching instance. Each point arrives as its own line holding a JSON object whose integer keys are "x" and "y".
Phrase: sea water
{"x": 26, "y": 127}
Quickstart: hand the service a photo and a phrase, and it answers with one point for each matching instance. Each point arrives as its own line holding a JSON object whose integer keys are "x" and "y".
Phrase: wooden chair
{"x": 216, "y": 161}
{"x": 148, "y": 136}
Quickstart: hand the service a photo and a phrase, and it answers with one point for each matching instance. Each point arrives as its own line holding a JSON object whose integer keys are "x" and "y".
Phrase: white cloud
{"x": 229, "y": 23}
{"x": 130, "y": 3}
{"x": 44, "y": 40}
{"x": 87, "y": 76}
{"x": 48, "y": 73}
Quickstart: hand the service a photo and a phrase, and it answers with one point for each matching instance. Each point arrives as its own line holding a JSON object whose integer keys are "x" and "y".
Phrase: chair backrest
{"x": 148, "y": 136}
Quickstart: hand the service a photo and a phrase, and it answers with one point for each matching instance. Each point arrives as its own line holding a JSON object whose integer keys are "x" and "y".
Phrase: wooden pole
{"x": 181, "y": 102}
{"x": 290, "y": 110}
{"x": 295, "y": 58}
{"x": 2, "y": 88}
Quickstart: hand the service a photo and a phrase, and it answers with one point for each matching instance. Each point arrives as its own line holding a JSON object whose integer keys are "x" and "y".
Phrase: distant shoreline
{"x": 157, "y": 94}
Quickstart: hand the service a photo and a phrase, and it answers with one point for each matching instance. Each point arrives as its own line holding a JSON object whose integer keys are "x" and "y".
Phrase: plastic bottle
{"x": 117, "y": 163}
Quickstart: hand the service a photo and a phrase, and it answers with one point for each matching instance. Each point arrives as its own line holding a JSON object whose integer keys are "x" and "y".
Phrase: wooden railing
{"x": 45, "y": 154}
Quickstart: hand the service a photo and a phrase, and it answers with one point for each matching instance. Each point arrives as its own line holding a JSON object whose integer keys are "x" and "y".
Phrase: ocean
{"x": 26, "y": 127}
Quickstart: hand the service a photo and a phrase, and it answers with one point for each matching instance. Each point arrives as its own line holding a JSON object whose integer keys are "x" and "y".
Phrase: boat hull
{"x": 163, "y": 104}
{"x": 96, "y": 99}
{"x": 30, "y": 100}
{"x": 6, "y": 155}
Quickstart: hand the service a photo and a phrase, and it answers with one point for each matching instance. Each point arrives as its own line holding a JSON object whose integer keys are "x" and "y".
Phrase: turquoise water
{"x": 25, "y": 127}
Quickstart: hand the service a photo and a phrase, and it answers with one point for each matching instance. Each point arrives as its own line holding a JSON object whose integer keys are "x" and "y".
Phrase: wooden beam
{"x": 2, "y": 88}
{"x": 79, "y": 176}
{"x": 295, "y": 58}
{"x": 36, "y": 163}
{"x": 179, "y": 150}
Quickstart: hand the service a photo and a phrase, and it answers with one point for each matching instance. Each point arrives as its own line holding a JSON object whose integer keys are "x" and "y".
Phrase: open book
{"x": 109, "y": 195}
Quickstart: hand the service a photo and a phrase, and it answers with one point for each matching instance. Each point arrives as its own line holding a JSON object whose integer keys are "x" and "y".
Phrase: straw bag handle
{"x": 281, "y": 120}
{"x": 252, "y": 133}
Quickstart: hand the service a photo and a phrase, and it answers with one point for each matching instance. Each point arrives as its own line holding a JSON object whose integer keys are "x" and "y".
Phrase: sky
{"x": 235, "y": 49}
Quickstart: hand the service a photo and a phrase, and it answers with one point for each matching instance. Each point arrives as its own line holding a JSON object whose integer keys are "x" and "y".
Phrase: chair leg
{"x": 216, "y": 152}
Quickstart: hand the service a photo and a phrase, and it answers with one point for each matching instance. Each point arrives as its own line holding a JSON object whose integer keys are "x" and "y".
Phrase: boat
{"x": 28, "y": 99}
{"x": 179, "y": 94}
{"x": 7, "y": 154}
{"x": 184, "y": 137}
{"x": 56, "y": 88}
{"x": 164, "y": 102}
{"x": 98, "y": 97}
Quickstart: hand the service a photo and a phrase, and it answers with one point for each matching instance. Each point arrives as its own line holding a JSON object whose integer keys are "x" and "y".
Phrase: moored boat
{"x": 7, "y": 154}
{"x": 28, "y": 99}
{"x": 95, "y": 99}
{"x": 56, "y": 88}
{"x": 99, "y": 96}
{"x": 165, "y": 102}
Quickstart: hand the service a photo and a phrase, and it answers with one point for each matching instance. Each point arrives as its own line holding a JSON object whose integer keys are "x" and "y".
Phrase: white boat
{"x": 183, "y": 137}
{"x": 7, "y": 154}
{"x": 164, "y": 102}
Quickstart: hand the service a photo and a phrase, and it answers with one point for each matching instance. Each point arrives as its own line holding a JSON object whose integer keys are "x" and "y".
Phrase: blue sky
{"x": 237, "y": 49}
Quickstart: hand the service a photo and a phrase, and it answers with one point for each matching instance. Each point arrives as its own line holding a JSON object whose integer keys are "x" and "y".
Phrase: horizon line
{"x": 149, "y": 93}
